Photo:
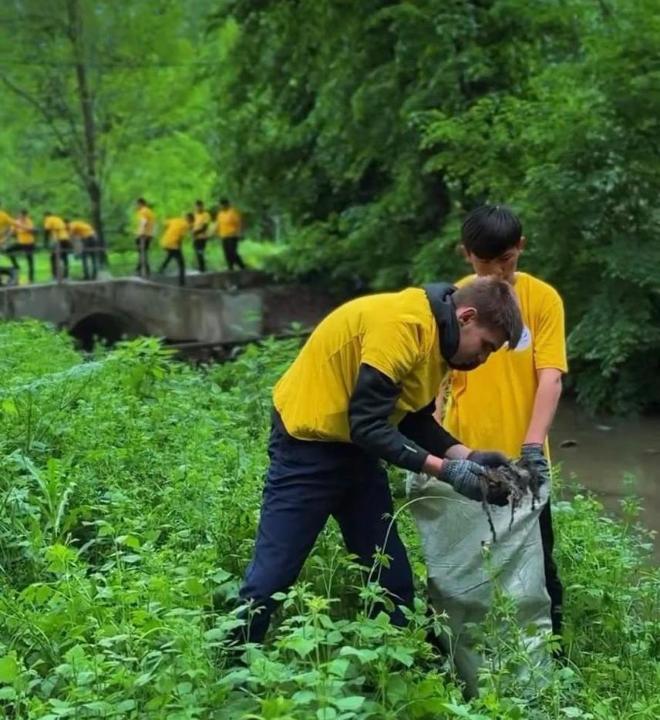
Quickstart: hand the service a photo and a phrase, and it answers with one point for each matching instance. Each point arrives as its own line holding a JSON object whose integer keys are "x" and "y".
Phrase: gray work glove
{"x": 464, "y": 476}
{"x": 532, "y": 456}
{"x": 488, "y": 458}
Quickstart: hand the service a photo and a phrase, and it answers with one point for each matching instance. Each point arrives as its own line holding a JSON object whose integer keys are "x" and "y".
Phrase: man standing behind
{"x": 229, "y": 225}
{"x": 176, "y": 230}
{"x": 144, "y": 235}
{"x": 510, "y": 402}
{"x": 60, "y": 245}
{"x": 23, "y": 229}
{"x": 83, "y": 231}
{"x": 201, "y": 234}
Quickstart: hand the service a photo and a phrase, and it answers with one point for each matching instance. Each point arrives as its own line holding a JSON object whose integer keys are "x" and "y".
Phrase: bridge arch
{"x": 108, "y": 326}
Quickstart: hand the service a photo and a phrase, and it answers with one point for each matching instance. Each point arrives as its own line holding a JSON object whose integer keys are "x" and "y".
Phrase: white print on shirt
{"x": 525, "y": 340}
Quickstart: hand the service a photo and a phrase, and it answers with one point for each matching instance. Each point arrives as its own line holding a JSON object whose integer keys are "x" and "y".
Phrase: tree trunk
{"x": 86, "y": 97}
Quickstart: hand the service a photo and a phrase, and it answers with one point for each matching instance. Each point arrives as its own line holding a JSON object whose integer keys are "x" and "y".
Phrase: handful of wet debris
{"x": 512, "y": 481}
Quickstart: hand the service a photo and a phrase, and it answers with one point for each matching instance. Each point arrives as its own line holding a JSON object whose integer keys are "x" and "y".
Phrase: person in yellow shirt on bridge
{"x": 201, "y": 234}
{"x": 85, "y": 233}
{"x": 176, "y": 230}
{"x": 59, "y": 242}
{"x": 509, "y": 403}
{"x": 6, "y": 226}
{"x": 146, "y": 225}
{"x": 229, "y": 226}
{"x": 24, "y": 231}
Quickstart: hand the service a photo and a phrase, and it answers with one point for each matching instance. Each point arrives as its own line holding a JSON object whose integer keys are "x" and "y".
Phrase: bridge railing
{"x": 111, "y": 261}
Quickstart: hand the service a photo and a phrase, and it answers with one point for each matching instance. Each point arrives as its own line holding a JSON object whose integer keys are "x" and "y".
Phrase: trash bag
{"x": 453, "y": 532}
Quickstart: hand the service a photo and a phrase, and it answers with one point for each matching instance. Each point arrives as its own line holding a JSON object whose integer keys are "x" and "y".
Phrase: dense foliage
{"x": 129, "y": 488}
{"x": 104, "y": 102}
{"x": 375, "y": 125}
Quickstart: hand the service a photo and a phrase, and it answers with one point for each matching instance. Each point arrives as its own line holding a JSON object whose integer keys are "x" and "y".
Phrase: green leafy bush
{"x": 130, "y": 488}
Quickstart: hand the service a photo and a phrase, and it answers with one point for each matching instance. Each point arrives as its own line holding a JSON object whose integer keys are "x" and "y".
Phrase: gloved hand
{"x": 464, "y": 476}
{"x": 488, "y": 458}
{"x": 532, "y": 455}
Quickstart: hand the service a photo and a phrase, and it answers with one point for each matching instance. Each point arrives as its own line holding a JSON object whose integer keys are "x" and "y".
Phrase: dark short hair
{"x": 496, "y": 305}
{"x": 224, "y": 201}
{"x": 141, "y": 201}
{"x": 490, "y": 230}
{"x": 24, "y": 211}
{"x": 199, "y": 202}
{"x": 190, "y": 217}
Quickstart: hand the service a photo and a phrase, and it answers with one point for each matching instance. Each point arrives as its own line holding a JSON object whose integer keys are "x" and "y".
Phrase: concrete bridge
{"x": 213, "y": 309}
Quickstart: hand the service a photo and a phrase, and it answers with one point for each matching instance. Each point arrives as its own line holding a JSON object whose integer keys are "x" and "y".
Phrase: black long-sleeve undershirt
{"x": 408, "y": 445}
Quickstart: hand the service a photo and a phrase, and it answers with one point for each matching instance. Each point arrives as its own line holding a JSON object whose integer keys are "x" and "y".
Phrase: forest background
{"x": 355, "y": 135}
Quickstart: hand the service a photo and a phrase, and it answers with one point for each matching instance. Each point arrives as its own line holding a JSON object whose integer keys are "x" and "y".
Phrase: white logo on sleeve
{"x": 525, "y": 340}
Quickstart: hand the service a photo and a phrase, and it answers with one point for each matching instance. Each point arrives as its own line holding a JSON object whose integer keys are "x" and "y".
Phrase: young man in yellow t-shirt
{"x": 229, "y": 226}
{"x": 144, "y": 234}
{"x": 176, "y": 230}
{"x": 24, "y": 232}
{"x": 60, "y": 245}
{"x": 6, "y": 225}
{"x": 83, "y": 231}
{"x": 510, "y": 402}
{"x": 201, "y": 234}
{"x": 362, "y": 390}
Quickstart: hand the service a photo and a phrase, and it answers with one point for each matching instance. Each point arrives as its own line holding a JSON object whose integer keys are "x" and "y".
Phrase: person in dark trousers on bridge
{"x": 84, "y": 232}
{"x": 146, "y": 222}
{"x": 229, "y": 226}
{"x": 24, "y": 231}
{"x": 6, "y": 225}
{"x": 176, "y": 230}
{"x": 362, "y": 390}
{"x": 201, "y": 234}
{"x": 59, "y": 242}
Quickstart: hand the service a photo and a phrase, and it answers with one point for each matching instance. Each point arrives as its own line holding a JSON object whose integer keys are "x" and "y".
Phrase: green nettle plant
{"x": 129, "y": 496}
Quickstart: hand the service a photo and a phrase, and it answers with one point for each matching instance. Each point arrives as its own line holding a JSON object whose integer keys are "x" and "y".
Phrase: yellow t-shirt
{"x": 6, "y": 221}
{"x": 80, "y": 229}
{"x": 395, "y": 333}
{"x": 490, "y": 407}
{"x": 145, "y": 216}
{"x": 23, "y": 234}
{"x": 56, "y": 227}
{"x": 229, "y": 223}
{"x": 175, "y": 230}
{"x": 201, "y": 219}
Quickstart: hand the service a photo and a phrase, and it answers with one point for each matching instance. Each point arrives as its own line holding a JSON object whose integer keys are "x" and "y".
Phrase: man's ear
{"x": 522, "y": 243}
{"x": 460, "y": 249}
{"x": 464, "y": 315}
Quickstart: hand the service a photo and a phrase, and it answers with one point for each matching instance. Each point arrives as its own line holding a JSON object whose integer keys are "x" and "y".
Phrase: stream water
{"x": 601, "y": 452}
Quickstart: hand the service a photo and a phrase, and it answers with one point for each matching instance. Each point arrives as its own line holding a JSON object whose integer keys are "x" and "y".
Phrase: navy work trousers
{"x": 307, "y": 482}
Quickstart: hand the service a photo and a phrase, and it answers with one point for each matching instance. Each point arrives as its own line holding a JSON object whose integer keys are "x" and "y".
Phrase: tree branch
{"x": 43, "y": 111}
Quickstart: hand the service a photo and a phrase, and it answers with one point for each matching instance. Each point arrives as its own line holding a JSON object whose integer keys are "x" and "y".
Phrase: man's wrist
{"x": 457, "y": 452}
{"x": 432, "y": 465}
{"x": 533, "y": 447}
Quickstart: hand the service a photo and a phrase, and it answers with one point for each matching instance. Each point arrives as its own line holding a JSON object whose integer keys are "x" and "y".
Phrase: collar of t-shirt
{"x": 444, "y": 311}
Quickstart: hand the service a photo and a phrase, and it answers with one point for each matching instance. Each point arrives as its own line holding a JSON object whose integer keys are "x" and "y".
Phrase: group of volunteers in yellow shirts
{"x": 18, "y": 238}
{"x": 199, "y": 226}
{"x": 424, "y": 379}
